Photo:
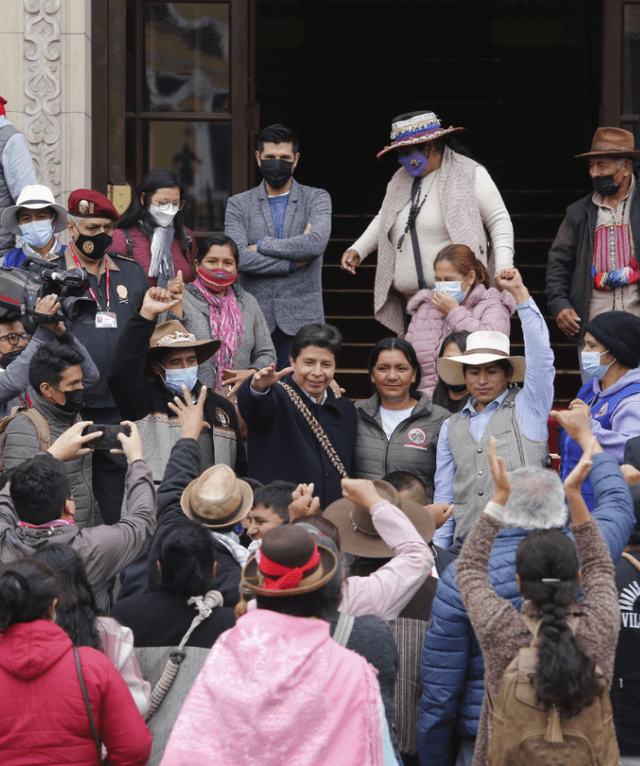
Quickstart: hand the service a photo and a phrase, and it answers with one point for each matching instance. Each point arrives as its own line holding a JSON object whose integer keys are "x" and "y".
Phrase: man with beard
{"x": 281, "y": 229}
{"x": 117, "y": 284}
{"x": 593, "y": 262}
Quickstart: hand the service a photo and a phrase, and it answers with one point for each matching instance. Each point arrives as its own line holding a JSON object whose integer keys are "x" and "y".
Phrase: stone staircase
{"x": 348, "y": 299}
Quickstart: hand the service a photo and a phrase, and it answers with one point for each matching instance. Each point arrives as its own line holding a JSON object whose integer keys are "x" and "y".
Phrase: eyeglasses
{"x": 171, "y": 207}
{"x": 14, "y": 337}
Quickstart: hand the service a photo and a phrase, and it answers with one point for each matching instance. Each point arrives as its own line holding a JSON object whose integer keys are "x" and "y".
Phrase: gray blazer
{"x": 288, "y": 299}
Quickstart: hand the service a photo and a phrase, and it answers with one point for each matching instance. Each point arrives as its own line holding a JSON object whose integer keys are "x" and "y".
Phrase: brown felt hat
{"x": 172, "y": 334}
{"x": 217, "y": 497}
{"x": 290, "y": 548}
{"x": 612, "y": 142}
{"x": 359, "y": 536}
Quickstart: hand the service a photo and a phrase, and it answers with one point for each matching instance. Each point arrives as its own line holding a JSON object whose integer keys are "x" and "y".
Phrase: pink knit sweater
{"x": 483, "y": 310}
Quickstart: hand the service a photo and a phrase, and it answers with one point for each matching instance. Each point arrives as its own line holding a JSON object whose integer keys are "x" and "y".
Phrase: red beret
{"x": 86, "y": 203}
{"x": 3, "y": 101}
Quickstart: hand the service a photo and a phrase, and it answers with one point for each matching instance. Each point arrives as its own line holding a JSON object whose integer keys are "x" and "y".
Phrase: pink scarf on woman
{"x": 225, "y": 321}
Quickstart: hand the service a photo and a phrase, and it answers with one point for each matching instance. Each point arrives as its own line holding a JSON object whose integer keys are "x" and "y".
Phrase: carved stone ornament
{"x": 42, "y": 87}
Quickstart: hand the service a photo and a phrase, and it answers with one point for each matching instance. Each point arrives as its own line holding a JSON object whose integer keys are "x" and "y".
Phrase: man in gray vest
{"x": 516, "y": 416}
{"x": 16, "y": 171}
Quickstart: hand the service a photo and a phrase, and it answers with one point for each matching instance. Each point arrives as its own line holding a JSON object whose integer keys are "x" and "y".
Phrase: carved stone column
{"x": 42, "y": 88}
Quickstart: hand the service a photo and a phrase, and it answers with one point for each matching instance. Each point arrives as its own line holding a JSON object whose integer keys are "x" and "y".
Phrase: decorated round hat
{"x": 416, "y": 130}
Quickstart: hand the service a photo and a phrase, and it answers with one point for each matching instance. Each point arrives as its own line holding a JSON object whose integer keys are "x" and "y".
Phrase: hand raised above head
{"x": 72, "y": 443}
{"x": 576, "y": 421}
{"x": 304, "y": 503}
{"x": 511, "y": 281}
{"x": 190, "y": 413}
{"x": 499, "y": 472}
{"x": 156, "y": 301}
{"x": 361, "y": 492}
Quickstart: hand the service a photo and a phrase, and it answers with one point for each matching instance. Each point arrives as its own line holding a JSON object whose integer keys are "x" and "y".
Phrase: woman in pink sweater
{"x": 462, "y": 300}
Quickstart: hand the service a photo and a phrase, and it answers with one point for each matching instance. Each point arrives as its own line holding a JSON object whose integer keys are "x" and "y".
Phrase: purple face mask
{"x": 415, "y": 164}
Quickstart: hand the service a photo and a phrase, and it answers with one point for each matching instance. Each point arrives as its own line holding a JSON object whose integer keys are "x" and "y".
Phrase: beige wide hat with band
{"x": 217, "y": 498}
{"x": 359, "y": 536}
{"x": 482, "y": 347}
{"x": 172, "y": 334}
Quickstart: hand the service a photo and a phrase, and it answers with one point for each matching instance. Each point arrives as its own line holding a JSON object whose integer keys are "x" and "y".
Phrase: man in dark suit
{"x": 281, "y": 229}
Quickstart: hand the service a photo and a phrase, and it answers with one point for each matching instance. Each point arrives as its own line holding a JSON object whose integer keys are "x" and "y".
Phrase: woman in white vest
{"x": 439, "y": 196}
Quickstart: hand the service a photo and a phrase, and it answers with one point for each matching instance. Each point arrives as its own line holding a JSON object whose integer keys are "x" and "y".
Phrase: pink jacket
{"x": 483, "y": 310}
{"x": 277, "y": 690}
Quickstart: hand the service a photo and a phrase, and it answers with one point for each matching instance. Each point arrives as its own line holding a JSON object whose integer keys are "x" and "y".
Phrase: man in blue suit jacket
{"x": 281, "y": 229}
{"x": 452, "y": 667}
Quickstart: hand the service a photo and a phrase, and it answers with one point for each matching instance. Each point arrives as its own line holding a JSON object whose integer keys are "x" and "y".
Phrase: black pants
{"x": 282, "y": 342}
{"x": 109, "y": 470}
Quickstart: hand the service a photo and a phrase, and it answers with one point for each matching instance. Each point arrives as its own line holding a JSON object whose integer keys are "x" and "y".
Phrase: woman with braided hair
{"x": 565, "y": 648}
{"x": 59, "y": 704}
{"x": 79, "y": 616}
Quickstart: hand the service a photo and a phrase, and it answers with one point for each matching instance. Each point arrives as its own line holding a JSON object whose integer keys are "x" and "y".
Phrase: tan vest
{"x": 473, "y": 484}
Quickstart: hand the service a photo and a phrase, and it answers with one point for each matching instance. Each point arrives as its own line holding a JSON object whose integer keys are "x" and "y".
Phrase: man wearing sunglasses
{"x": 17, "y": 348}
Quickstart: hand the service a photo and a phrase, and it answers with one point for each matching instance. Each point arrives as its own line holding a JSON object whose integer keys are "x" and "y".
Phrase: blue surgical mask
{"x": 37, "y": 233}
{"x": 591, "y": 364}
{"x": 452, "y": 288}
{"x": 175, "y": 379}
{"x": 415, "y": 164}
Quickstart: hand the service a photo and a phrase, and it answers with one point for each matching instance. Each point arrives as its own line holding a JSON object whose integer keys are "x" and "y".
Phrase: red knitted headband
{"x": 279, "y": 577}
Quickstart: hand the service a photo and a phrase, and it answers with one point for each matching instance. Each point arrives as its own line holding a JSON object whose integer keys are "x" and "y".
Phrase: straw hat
{"x": 34, "y": 197}
{"x": 289, "y": 562}
{"x": 416, "y": 130}
{"x": 482, "y": 347}
{"x": 612, "y": 142}
{"x": 169, "y": 335}
{"x": 218, "y": 497}
{"x": 359, "y": 536}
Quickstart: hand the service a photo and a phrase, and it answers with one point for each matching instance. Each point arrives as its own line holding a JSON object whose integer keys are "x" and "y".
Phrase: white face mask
{"x": 162, "y": 217}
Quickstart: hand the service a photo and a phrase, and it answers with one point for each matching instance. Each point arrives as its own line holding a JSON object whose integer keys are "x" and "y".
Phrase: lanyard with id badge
{"x": 105, "y": 320}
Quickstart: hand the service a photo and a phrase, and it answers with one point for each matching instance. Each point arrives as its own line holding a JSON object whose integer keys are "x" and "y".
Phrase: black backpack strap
{"x": 129, "y": 241}
{"x": 414, "y": 237}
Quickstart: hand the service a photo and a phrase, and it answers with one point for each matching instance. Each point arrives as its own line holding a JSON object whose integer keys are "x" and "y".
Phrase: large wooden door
{"x": 621, "y": 64}
{"x": 173, "y": 86}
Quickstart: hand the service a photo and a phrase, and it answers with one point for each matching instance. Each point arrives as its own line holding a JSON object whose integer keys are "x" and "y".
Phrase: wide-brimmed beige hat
{"x": 34, "y": 197}
{"x": 483, "y": 347}
{"x": 359, "y": 536}
{"x": 217, "y": 498}
{"x": 289, "y": 562}
{"x": 612, "y": 142}
{"x": 172, "y": 334}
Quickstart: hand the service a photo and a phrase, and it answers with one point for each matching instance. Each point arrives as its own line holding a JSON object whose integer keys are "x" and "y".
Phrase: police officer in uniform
{"x": 118, "y": 285}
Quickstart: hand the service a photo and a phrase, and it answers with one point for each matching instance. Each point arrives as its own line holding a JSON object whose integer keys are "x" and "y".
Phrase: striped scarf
{"x": 225, "y": 321}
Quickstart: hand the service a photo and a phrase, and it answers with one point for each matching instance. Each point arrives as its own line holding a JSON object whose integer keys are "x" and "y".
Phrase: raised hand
{"x": 72, "y": 443}
{"x": 190, "y": 413}
{"x": 49, "y": 305}
{"x": 304, "y": 503}
{"x": 267, "y": 376}
{"x": 511, "y": 281}
{"x": 499, "y": 473}
{"x": 361, "y": 492}
{"x": 350, "y": 260}
{"x": 234, "y": 379}
{"x": 440, "y": 512}
{"x": 156, "y": 301}
{"x": 131, "y": 445}
{"x": 576, "y": 421}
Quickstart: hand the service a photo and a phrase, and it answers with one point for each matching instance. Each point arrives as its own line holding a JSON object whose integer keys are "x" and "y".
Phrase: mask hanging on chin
{"x": 94, "y": 248}
{"x": 458, "y": 389}
{"x": 276, "y": 172}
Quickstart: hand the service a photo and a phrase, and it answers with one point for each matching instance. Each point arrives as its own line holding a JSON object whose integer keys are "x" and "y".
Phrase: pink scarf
{"x": 225, "y": 321}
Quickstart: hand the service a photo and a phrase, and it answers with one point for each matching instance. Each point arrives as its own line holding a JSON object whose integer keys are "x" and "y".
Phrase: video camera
{"x": 21, "y": 288}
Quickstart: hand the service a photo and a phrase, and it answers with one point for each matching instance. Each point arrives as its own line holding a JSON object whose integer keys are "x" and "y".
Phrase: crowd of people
{"x": 211, "y": 555}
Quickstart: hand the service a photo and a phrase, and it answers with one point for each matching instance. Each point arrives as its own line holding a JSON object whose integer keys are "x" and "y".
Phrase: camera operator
{"x": 17, "y": 349}
{"x": 56, "y": 377}
{"x": 117, "y": 284}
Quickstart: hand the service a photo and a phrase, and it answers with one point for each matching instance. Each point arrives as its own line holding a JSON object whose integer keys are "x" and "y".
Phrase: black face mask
{"x": 276, "y": 172}
{"x": 94, "y": 248}
{"x": 458, "y": 389}
{"x": 605, "y": 185}
{"x": 10, "y": 356}
{"x": 73, "y": 400}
